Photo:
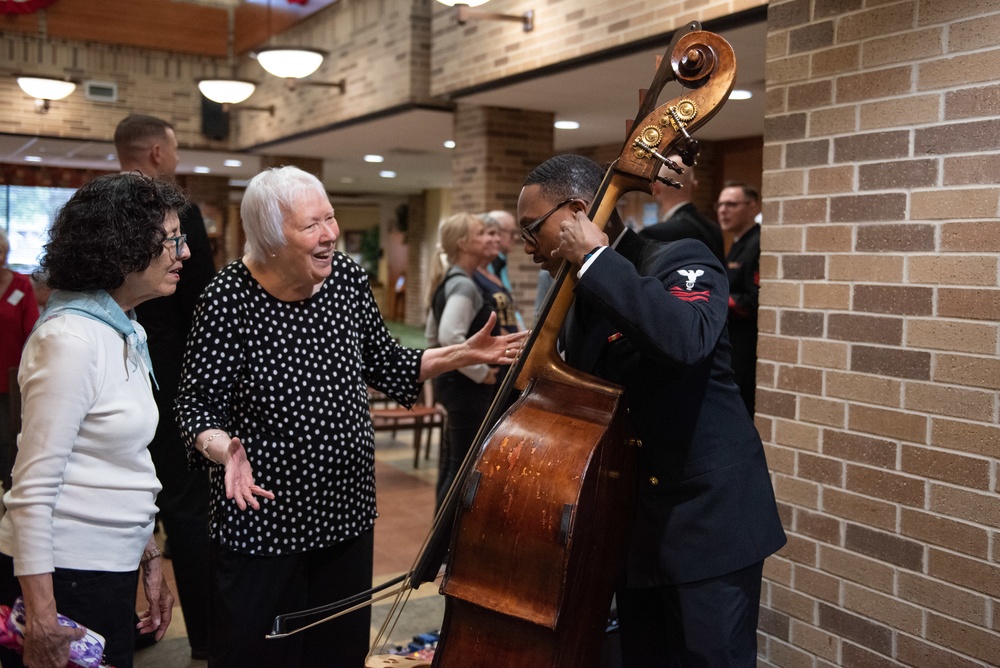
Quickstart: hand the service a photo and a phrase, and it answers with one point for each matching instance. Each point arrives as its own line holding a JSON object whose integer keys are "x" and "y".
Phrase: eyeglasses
{"x": 180, "y": 241}
{"x": 528, "y": 231}
{"x": 730, "y": 205}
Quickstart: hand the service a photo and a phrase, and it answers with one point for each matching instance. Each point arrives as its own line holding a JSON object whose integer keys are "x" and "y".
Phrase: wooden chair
{"x": 425, "y": 415}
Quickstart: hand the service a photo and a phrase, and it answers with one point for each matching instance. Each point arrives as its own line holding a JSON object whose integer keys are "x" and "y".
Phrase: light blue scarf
{"x": 100, "y": 306}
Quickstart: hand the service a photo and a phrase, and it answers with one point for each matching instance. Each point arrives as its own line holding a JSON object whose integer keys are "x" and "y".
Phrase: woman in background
{"x": 18, "y": 313}
{"x": 80, "y": 512}
{"x": 457, "y": 311}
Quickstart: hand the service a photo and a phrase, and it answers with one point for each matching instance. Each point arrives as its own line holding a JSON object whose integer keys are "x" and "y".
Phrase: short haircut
{"x": 269, "y": 197}
{"x": 567, "y": 175}
{"x": 135, "y": 134}
{"x": 109, "y": 228}
{"x": 748, "y": 190}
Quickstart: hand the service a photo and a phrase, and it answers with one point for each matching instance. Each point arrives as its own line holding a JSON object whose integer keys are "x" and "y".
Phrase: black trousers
{"x": 467, "y": 403}
{"x": 183, "y": 511}
{"x": 710, "y": 623}
{"x": 252, "y": 590}
{"x": 102, "y": 601}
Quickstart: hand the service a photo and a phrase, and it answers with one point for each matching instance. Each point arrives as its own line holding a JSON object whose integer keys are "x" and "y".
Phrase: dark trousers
{"x": 102, "y": 601}
{"x": 711, "y": 623}
{"x": 183, "y": 504}
{"x": 252, "y": 590}
{"x": 467, "y": 403}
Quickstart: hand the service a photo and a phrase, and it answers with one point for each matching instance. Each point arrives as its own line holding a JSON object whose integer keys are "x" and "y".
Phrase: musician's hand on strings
{"x": 577, "y": 237}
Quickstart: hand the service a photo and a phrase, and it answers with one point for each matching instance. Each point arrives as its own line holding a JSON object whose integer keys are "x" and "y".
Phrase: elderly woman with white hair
{"x": 273, "y": 399}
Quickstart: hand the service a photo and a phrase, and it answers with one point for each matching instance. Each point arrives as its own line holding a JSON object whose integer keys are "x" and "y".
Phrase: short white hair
{"x": 269, "y": 197}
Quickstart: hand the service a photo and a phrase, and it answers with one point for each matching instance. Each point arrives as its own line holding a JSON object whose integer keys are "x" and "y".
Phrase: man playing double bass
{"x": 651, "y": 317}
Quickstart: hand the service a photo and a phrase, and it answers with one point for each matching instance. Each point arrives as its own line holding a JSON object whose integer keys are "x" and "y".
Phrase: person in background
{"x": 738, "y": 206}
{"x": 651, "y": 317}
{"x": 679, "y": 219}
{"x": 497, "y": 294}
{"x": 274, "y": 401}
{"x": 79, "y": 523}
{"x": 18, "y": 313}
{"x": 545, "y": 281}
{"x": 507, "y": 236}
{"x": 147, "y": 145}
{"x": 459, "y": 309}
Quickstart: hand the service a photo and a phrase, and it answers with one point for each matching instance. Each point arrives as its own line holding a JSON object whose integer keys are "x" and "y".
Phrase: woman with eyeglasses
{"x": 78, "y": 530}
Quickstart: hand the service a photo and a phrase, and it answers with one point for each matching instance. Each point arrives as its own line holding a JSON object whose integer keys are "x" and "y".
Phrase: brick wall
{"x": 149, "y": 82}
{"x": 878, "y": 370}
{"x": 563, "y": 31}
{"x": 381, "y": 48}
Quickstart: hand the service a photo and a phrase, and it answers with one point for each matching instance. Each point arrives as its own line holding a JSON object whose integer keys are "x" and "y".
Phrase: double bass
{"x": 535, "y": 526}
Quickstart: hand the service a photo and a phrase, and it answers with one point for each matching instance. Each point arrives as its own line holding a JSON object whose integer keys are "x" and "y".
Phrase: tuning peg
{"x": 668, "y": 181}
{"x": 673, "y": 166}
{"x": 689, "y": 150}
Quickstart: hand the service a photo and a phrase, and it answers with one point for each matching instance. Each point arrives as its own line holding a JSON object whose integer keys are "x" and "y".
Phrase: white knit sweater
{"x": 84, "y": 487}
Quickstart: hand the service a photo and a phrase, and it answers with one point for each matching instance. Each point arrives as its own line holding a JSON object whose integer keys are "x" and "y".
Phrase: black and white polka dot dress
{"x": 289, "y": 379}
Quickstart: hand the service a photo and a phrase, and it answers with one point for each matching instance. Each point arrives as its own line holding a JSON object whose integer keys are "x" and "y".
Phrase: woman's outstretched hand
{"x": 500, "y": 349}
{"x": 240, "y": 484}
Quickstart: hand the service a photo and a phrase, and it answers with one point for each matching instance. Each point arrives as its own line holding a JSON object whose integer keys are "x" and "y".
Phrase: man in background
{"x": 148, "y": 145}
{"x": 738, "y": 207}
{"x": 679, "y": 219}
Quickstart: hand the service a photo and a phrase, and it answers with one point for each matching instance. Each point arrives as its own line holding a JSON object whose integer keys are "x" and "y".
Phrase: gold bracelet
{"x": 149, "y": 555}
{"x": 204, "y": 446}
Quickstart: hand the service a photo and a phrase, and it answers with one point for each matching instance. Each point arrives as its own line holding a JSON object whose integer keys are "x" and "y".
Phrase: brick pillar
{"x": 495, "y": 149}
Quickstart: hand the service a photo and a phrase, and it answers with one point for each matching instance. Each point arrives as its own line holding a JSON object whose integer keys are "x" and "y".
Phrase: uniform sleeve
{"x": 676, "y": 313}
{"x": 59, "y": 382}
{"x": 212, "y": 363}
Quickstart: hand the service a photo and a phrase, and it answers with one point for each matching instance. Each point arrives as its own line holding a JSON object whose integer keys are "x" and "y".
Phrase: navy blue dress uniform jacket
{"x": 652, "y": 318}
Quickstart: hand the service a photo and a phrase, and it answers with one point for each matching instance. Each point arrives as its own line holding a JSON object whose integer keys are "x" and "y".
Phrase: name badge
{"x": 15, "y": 297}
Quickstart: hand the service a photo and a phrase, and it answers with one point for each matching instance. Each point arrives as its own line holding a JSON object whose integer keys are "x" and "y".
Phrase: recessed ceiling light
{"x": 374, "y": 158}
{"x": 449, "y": 144}
{"x": 200, "y": 169}
{"x": 232, "y": 163}
{"x": 387, "y": 174}
{"x": 740, "y": 94}
{"x": 566, "y": 125}
{"x": 32, "y": 158}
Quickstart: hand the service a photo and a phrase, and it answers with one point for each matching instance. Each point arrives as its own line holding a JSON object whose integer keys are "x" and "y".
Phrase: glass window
{"x": 27, "y": 213}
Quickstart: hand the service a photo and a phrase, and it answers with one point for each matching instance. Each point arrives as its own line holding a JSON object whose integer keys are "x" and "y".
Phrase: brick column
{"x": 495, "y": 149}
{"x": 878, "y": 372}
